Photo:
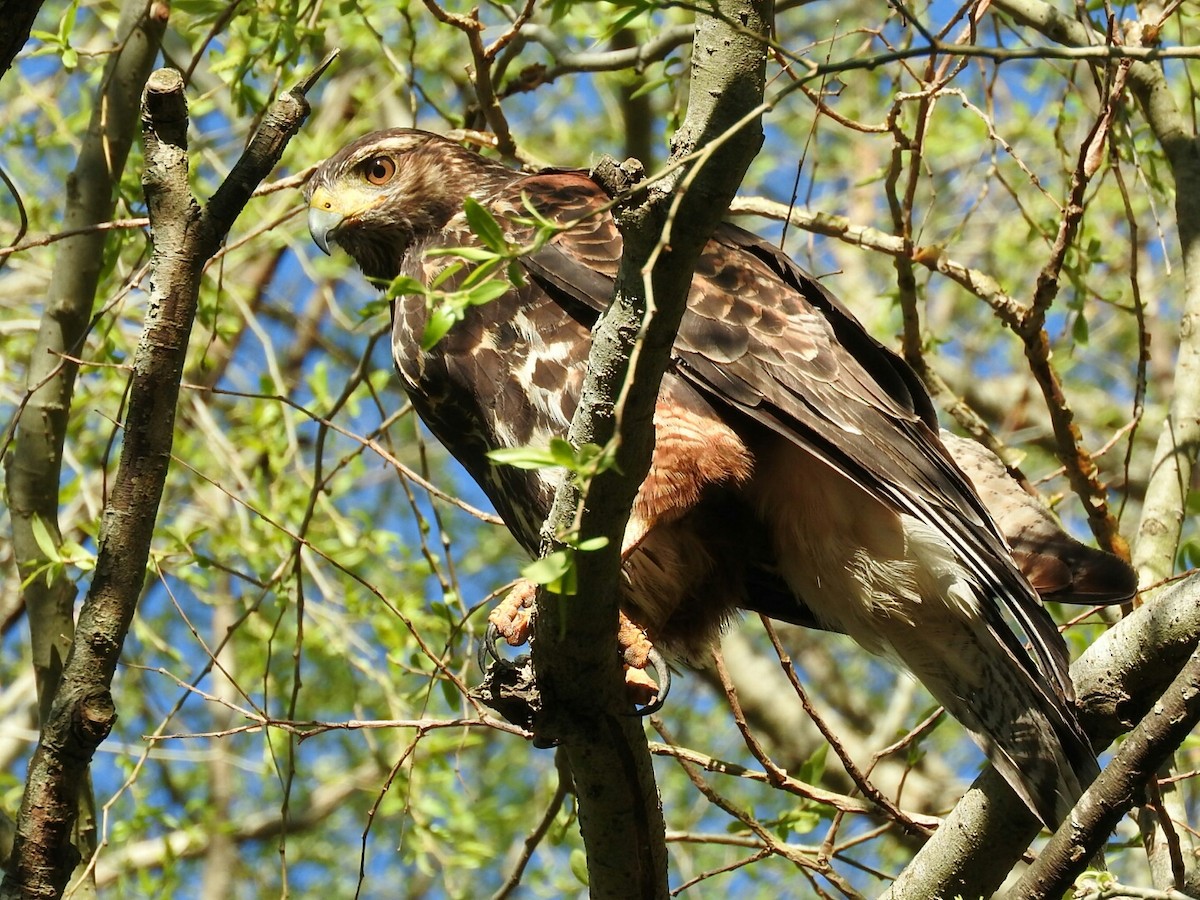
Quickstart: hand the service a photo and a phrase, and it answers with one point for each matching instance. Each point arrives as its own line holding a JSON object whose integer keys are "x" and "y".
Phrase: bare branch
{"x": 82, "y": 712}
{"x": 1117, "y": 681}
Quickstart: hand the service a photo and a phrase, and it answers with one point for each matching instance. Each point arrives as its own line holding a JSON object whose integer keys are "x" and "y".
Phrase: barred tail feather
{"x": 1029, "y": 734}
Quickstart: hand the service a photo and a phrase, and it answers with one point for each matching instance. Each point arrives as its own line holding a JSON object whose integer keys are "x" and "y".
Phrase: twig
{"x": 836, "y": 801}
{"x": 22, "y": 215}
{"x": 869, "y": 790}
{"x": 533, "y": 840}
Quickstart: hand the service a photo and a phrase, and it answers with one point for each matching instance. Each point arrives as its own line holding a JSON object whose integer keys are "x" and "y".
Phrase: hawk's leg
{"x": 693, "y": 451}
{"x": 512, "y": 619}
{"x": 513, "y": 616}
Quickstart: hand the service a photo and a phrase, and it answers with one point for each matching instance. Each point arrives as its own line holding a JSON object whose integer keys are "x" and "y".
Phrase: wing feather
{"x": 765, "y": 338}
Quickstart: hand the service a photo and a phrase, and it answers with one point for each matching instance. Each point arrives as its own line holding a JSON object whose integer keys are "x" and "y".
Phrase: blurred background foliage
{"x": 304, "y": 571}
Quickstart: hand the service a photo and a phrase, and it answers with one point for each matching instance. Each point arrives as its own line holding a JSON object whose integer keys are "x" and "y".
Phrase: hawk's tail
{"x": 1029, "y": 733}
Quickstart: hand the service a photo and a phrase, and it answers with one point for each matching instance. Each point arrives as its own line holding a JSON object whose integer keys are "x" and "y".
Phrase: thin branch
{"x": 1081, "y": 470}
{"x": 975, "y": 281}
{"x": 860, "y": 780}
{"x": 839, "y": 802}
{"x": 533, "y": 840}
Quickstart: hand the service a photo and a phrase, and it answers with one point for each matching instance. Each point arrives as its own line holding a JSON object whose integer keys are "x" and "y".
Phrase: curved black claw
{"x": 489, "y": 651}
{"x": 657, "y": 664}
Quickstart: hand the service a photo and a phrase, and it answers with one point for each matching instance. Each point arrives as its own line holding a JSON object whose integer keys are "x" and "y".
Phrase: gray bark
{"x": 578, "y": 672}
{"x": 185, "y": 236}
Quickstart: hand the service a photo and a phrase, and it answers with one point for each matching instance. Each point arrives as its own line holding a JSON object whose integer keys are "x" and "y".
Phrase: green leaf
{"x": 525, "y": 457}
{"x": 445, "y": 274}
{"x": 485, "y": 226}
{"x": 470, "y": 254}
{"x": 591, "y": 544}
{"x": 449, "y": 692}
{"x": 403, "y": 284}
{"x": 650, "y": 85}
{"x": 67, "y": 25}
{"x": 563, "y": 453}
{"x": 813, "y": 768}
{"x": 77, "y": 556}
{"x": 579, "y": 865}
{"x": 481, "y": 273}
{"x": 801, "y": 820}
{"x": 555, "y": 571}
{"x": 372, "y": 308}
{"x": 591, "y": 459}
{"x": 1079, "y": 330}
{"x": 45, "y": 541}
{"x": 487, "y": 292}
{"x": 440, "y": 321}
{"x": 539, "y": 218}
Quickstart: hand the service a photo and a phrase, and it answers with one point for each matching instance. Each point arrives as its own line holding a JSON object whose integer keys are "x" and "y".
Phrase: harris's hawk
{"x": 797, "y": 468}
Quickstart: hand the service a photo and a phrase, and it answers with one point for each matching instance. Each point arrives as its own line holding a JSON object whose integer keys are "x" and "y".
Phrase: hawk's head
{"x": 385, "y": 191}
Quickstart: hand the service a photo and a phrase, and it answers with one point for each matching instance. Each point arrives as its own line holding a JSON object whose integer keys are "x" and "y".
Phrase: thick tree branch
{"x": 620, "y": 817}
{"x": 185, "y": 236}
{"x": 34, "y": 468}
{"x": 1114, "y": 793}
{"x": 18, "y": 17}
{"x": 1117, "y": 679}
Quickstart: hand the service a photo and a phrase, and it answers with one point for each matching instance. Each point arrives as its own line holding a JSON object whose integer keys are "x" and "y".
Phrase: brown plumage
{"x": 797, "y": 469}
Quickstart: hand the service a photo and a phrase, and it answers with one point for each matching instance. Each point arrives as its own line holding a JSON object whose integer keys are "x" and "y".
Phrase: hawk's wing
{"x": 762, "y": 337}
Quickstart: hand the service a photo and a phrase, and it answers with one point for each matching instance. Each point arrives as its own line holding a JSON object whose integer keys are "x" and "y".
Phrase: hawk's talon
{"x": 662, "y": 676}
{"x": 513, "y": 616}
{"x": 489, "y": 653}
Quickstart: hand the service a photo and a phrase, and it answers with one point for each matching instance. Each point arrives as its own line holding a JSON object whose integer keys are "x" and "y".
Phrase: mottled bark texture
{"x": 34, "y": 467}
{"x": 185, "y": 235}
{"x": 664, "y": 229}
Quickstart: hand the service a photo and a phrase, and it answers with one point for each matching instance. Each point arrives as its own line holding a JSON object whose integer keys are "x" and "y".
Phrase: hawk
{"x": 797, "y": 469}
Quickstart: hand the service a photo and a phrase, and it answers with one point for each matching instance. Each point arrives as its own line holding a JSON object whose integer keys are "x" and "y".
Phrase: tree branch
{"x": 621, "y": 818}
{"x": 1112, "y": 795}
{"x": 1117, "y": 680}
{"x": 1164, "y": 506}
{"x": 18, "y": 17}
{"x": 185, "y": 236}
{"x": 1179, "y": 442}
{"x": 34, "y": 468}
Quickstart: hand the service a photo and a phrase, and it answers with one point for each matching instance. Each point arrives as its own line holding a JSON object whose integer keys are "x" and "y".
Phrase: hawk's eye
{"x": 380, "y": 169}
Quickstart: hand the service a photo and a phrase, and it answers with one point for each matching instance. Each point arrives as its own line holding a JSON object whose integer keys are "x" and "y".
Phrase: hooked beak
{"x": 323, "y": 219}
